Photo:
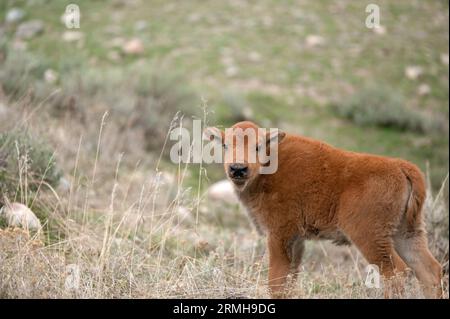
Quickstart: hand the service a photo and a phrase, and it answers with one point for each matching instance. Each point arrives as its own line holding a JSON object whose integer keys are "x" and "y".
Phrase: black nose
{"x": 238, "y": 170}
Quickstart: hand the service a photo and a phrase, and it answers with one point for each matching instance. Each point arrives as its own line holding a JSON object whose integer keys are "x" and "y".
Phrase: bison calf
{"x": 321, "y": 192}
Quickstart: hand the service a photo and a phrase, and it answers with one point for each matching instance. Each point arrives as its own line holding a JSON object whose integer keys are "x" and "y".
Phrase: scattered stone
{"x": 133, "y": 47}
{"x": 379, "y": 30}
{"x": 412, "y": 72}
{"x": 50, "y": 76}
{"x": 247, "y": 112}
{"x": 14, "y": 15}
{"x": 19, "y": 215}
{"x": 314, "y": 41}
{"x": 29, "y": 29}
{"x": 254, "y": 56}
{"x": 231, "y": 71}
{"x": 3, "y": 110}
{"x": 165, "y": 178}
{"x": 267, "y": 21}
{"x": 184, "y": 214}
{"x": 72, "y": 36}
{"x": 223, "y": 191}
{"x": 424, "y": 89}
{"x": 63, "y": 18}
{"x": 194, "y": 17}
{"x": 444, "y": 58}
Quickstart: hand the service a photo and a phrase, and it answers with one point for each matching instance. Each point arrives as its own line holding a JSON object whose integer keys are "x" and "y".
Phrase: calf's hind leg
{"x": 368, "y": 218}
{"x": 378, "y": 249}
{"x": 413, "y": 248}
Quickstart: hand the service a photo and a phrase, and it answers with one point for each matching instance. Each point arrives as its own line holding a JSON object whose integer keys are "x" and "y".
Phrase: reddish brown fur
{"x": 322, "y": 192}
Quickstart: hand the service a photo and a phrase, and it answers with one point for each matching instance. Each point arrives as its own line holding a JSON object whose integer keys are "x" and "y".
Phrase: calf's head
{"x": 247, "y": 150}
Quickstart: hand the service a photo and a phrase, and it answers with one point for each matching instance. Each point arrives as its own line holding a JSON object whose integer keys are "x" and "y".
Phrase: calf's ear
{"x": 213, "y": 134}
{"x": 274, "y": 135}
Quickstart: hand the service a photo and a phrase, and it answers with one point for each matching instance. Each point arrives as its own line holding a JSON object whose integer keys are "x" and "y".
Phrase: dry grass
{"x": 136, "y": 230}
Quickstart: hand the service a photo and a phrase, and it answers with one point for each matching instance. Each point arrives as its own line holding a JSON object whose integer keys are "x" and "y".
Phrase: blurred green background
{"x": 308, "y": 67}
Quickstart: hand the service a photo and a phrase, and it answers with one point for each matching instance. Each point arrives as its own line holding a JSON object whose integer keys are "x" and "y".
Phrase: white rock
{"x": 165, "y": 178}
{"x": 19, "y": 215}
{"x": 29, "y": 29}
{"x": 50, "y": 76}
{"x": 63, "y": 18}
{"x": 424, "y": 89}
{"x": 14, "y": 15}
{"x": 133, "y": 47}
{"x": 412, "y": 72}
{"x": 267, "y": 21}
{"x": 379, "y": 30}
{"x": 231, "y": 71}
{"x": 247, "y": 112}
{"x": 223, "y": 191}
{"x": 444, "y": 58}
{"x": 254, "y": 56}
{"x": 194, "y": 17}
{"x": 184, "y": 214}
{"x": 313, "y": 40}
{"x": 72, "y": 36}
{"x": 3, "y": 109}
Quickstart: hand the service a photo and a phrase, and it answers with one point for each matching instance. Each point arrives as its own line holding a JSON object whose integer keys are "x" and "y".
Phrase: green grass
{"x": 194, "y": 39}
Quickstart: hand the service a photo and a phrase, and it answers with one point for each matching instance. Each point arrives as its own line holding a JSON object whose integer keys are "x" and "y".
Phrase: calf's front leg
{"x": 279, "y": 267}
